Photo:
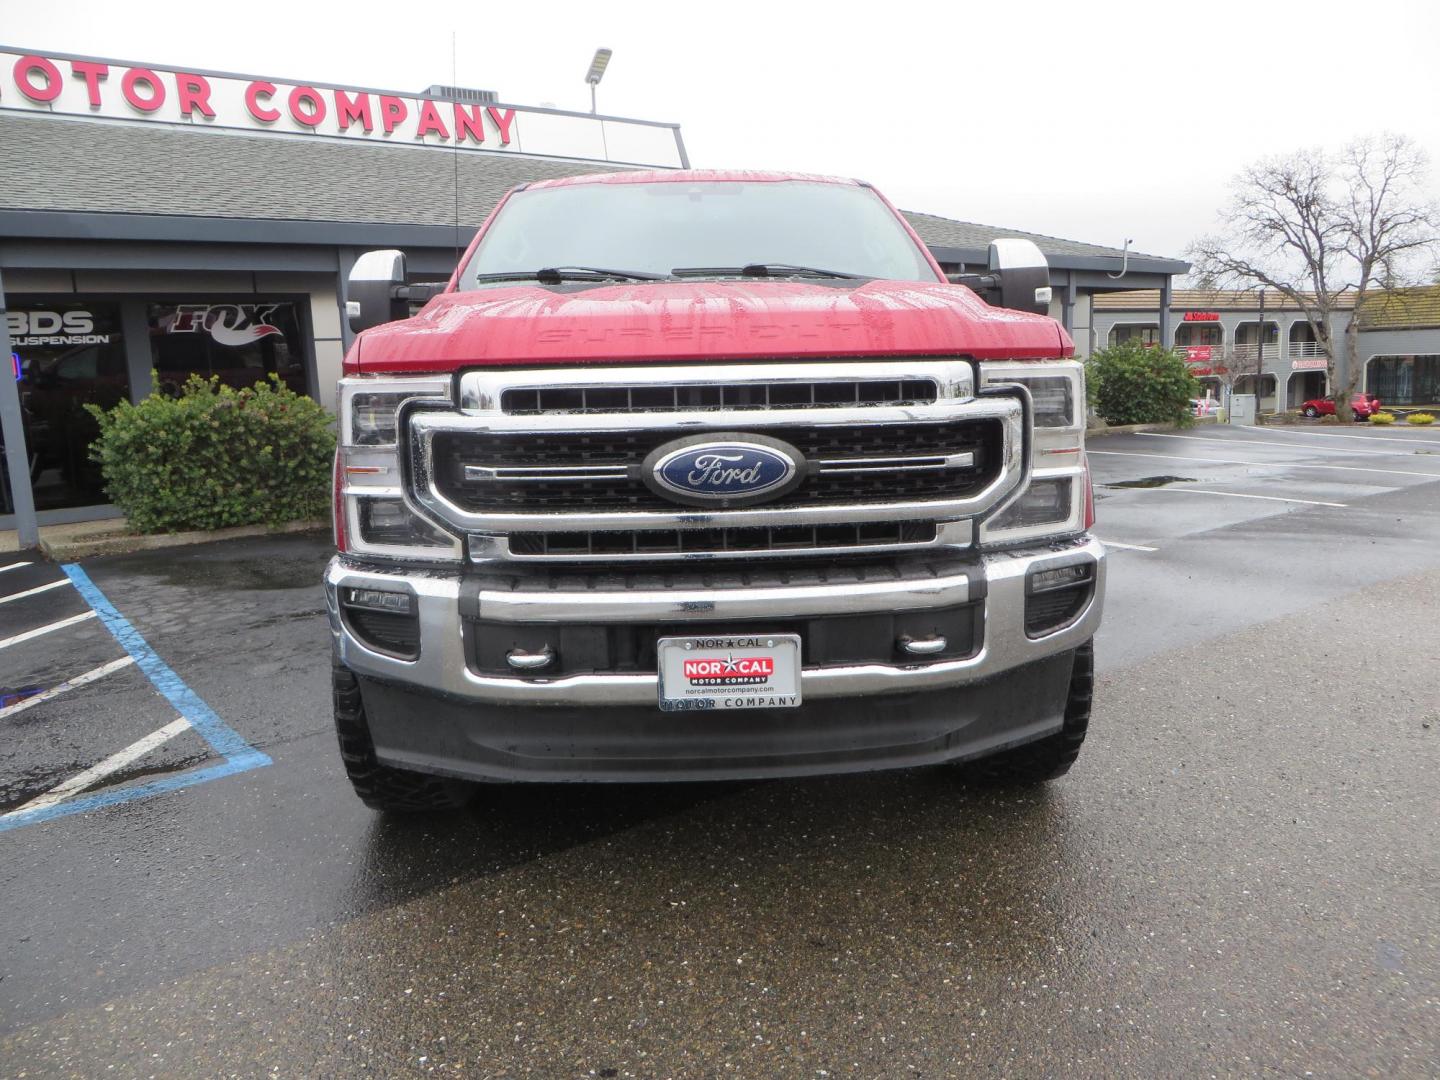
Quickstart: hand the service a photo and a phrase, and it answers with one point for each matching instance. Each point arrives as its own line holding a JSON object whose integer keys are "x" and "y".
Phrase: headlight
{"x": 1055, "y": 500}
{"x": 372, "y": 516}
{"x": 1052, "y": 505}
{"x": 373, "y": 418}
{"x": 1057, "y": 390}
{"x": 1048, "y": 501}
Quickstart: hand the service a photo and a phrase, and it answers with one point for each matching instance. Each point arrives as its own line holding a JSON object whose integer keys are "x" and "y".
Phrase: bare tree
{"x": 1324, "y": 230}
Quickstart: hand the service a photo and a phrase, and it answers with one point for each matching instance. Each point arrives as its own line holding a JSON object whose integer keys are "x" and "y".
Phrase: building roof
{"x": 87, "y": 166}
{"x": 1402, "y": 309}
{"x": 1244, "y": 300}
{"x": 969, "y": 234}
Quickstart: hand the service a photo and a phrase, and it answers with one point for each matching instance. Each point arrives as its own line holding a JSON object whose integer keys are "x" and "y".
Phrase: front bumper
{"x": 442, "y": 666}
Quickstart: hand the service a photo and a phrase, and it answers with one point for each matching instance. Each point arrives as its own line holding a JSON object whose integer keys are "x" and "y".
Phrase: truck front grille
{"x": 899, "y": 455}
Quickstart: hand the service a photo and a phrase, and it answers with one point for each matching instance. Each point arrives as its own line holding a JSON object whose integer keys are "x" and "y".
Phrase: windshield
{"x": 657, "y": 228}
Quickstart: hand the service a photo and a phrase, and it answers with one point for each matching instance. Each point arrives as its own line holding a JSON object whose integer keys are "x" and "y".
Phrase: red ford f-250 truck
{"x": 692, "y": 475}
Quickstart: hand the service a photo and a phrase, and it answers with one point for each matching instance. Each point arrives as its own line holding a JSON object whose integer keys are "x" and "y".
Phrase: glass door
{"x": 67, "y": 353}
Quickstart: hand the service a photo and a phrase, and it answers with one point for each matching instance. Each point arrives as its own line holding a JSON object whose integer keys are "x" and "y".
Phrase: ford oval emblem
{"x": 723, "y": 470}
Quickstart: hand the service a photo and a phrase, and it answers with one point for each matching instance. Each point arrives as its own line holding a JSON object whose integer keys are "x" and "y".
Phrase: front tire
{"x": 383, "y": 787}
{"x": 1051, "y": 757}
{"x": 1312, "y": 412}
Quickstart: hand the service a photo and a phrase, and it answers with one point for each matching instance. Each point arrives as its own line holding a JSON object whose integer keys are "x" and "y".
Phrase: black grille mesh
{"x": 680, "y": 541}
{"x": 455, "y": 450}
{"x": 1051, "y": 610}
{"x": 579, "y": 400}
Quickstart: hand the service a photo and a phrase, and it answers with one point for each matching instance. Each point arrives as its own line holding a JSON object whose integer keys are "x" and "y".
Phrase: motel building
{"x": 181, "y": 221}
{"x": 1229, "y": 341}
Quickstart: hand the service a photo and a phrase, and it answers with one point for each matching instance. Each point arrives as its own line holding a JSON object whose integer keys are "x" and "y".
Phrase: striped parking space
{"x": 112, "y": 776}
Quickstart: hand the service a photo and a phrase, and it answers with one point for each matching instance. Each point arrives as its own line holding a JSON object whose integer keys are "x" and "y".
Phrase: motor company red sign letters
{"x": 87, "y": 87}
{"x": 148, "y": 91}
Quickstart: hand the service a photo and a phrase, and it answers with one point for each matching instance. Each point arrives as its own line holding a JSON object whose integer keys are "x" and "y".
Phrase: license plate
{"x": 730, "y": 672}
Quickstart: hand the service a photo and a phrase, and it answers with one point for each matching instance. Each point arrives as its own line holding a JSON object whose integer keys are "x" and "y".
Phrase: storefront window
{"x": 1187, "y": 334}
{"x": 67, "y": 354}
{"x": 242, "y": 343}
{"x": 1144, "y": 335}
{"x": 1405, "y": 380}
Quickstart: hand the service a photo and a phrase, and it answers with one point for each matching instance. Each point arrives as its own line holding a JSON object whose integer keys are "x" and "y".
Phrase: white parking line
{"x": 1263, "y": 442}
{"x": 1337, "y": 435}
{"x": 1125, "y": 547}
{"x": 1263, "y": 464}
{"x": 69, "y": 684}
{"x": 1239, "y": 495}
{"x": 112, "y": 764}
{"x": 14, "y": 566}
{"x": 46, "y": 629}
{"x": 38, "y": 589}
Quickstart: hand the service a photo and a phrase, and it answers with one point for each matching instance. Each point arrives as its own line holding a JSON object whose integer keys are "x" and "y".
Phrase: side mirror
{"x": 375, "y": 292}
{"x": 1024, "y": 275}
{"x": 1019, "y": 277}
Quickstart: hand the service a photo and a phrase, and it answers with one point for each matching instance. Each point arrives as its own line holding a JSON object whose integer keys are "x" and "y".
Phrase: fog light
{"x": 1059, "y": 578}
{"x": 1056, "y": 595}
{"x": 394, "y": 603}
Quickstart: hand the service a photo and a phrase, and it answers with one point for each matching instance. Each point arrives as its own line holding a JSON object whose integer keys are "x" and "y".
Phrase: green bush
{"x": 216, "y": 456}
{"x": 1133, "y": 384}
{"x": 1382, "y": 418}
{"x": 1420, "y": 418}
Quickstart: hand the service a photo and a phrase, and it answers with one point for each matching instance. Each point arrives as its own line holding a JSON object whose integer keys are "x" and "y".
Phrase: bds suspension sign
{"x": 122, "y": 90}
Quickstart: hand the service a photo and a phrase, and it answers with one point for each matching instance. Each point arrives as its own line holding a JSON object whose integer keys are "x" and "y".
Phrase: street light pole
{"x": 596, "y": 73}
{"x": 1259, "y": 353}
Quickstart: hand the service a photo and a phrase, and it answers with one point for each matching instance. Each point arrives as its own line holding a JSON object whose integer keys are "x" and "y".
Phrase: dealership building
{"x": 185, "y": 222}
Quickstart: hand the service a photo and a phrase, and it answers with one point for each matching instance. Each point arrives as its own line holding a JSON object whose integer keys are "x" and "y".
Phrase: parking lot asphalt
{"x": 1240, "y": 876}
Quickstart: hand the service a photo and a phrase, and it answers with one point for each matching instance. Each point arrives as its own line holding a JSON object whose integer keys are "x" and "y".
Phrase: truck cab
{"x": 695, "y": 475}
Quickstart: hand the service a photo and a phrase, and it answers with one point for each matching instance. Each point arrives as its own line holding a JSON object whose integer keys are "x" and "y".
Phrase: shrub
{"x": 216, "y": 456}
{"x": 1420, "y": 418}
{"x": 1137, "y": 385}
{"x": 1382, "y": 418}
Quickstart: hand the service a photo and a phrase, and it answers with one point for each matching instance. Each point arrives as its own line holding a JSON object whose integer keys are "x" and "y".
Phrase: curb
{"x": 84, "y": 547}
{"x": 1135, "y": 429}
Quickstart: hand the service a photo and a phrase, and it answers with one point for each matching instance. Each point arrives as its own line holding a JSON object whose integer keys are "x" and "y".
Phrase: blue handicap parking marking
{"x": 239, "y": 755}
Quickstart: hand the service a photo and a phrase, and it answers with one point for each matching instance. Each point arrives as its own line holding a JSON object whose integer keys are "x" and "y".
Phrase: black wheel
{"x": 1051, "y": 757}
{"x": 1311, "y": 411}
{"x": 382, "y": 787}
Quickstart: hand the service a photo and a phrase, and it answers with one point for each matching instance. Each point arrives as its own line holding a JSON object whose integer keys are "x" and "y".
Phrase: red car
{"x": 1362, "y": 405}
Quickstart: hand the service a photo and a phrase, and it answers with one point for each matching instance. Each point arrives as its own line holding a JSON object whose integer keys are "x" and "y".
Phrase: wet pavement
{"x": 1240, "y": 877}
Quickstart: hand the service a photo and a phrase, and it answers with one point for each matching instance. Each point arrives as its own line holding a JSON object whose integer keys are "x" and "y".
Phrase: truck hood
{"x": 726, "y": 320}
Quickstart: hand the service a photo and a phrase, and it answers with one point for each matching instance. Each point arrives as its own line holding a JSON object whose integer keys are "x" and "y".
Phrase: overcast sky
{"x": 1093, "y": 121}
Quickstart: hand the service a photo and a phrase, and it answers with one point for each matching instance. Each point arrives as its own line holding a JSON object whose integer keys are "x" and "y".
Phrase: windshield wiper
{"x": 553, "y": 275}
{"x": 763, "y": 270}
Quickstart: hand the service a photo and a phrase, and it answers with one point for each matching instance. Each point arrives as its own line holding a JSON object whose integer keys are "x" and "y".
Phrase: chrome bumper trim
{"x": 663, "y": 605}
{"x": 442, "y": 667}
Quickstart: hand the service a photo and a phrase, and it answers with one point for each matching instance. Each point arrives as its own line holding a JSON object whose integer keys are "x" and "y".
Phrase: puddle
{"x": 1153, "y": 482}
{"x": 241, "y": 575}
{"x": 19, "y": 790}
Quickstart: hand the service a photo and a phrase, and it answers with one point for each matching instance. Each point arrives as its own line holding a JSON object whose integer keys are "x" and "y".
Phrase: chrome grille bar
{"x": 524, "y": 474}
